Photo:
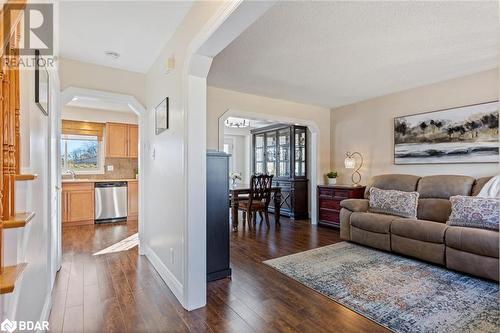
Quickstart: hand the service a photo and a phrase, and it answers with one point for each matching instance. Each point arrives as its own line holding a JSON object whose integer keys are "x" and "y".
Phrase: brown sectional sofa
{"x": 429, "y": 238}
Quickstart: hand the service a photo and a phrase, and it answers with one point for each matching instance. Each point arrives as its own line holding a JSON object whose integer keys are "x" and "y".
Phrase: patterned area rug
{"x": 401, "y": 294}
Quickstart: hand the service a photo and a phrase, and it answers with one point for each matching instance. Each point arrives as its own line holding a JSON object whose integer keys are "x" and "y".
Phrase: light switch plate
{"x": 110, "y": 168}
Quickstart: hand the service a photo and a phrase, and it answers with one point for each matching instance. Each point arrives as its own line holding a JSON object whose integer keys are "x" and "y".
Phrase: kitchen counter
{"x": 82, "y": 180}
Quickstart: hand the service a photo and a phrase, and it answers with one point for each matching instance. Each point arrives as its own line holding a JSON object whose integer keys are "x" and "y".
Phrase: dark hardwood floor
{"x": 121, "y": 292}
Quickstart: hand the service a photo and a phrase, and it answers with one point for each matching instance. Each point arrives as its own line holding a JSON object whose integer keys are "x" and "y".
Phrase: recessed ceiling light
{"x": 112, "y": 54}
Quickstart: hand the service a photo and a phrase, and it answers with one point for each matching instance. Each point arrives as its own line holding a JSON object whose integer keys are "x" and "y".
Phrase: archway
{"x": 229, "y": 22}
{"x": 314, "y": 153}
{"x": 67, "y": 95}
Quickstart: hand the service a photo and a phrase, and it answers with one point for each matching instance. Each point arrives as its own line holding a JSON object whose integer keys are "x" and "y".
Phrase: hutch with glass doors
{"x": 281, "y": 150}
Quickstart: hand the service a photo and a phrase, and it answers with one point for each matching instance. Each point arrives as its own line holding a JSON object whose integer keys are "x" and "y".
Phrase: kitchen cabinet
{"x": 116, "y": 140}
{"x": 122, "y": 140}
{"x": 133, "y": 199}
{"x": 133, "y": 141}
{"x": 77, "y": 203}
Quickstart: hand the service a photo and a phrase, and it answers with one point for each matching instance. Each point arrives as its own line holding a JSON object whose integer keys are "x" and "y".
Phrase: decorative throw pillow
{"x": 393, "y": 202}
{"x": 474, "y": 212}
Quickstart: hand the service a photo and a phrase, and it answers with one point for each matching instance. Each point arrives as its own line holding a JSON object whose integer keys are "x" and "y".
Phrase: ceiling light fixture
{"x": 112, "y": 54}
{"x": 237, "y": 122}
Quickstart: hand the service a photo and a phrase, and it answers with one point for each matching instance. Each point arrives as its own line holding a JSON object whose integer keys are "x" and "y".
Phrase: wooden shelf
{"x": 26, "y": 177}
{"x": 18, "y": 221}
{"x": 9, "y": 276}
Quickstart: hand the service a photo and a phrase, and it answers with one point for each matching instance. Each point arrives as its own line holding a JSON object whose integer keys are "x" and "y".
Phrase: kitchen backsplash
{"x": 123, "y": 168}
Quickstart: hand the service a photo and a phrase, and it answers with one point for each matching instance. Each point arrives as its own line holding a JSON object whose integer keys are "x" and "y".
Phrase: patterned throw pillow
{"x": 393, "y": 202}
{"x": 474, "y": 212}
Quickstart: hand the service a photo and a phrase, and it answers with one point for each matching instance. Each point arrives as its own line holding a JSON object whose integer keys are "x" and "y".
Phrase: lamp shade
{"x": 349, "y": 163}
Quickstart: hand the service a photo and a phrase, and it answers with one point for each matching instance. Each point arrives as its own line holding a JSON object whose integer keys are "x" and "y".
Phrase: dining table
{"x": 238, "y": 192}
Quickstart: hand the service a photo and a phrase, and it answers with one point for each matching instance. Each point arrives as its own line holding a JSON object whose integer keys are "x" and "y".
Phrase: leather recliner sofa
{"x": 470, "y": 250}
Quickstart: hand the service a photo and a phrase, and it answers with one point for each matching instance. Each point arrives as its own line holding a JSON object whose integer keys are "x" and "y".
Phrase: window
{"x": 82, "y": 154}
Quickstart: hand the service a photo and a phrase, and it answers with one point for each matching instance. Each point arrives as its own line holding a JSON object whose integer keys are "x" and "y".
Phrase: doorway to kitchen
{"x": 99, "y": 159}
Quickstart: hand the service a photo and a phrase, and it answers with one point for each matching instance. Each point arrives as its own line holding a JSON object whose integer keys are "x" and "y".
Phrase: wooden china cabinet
{"x": 281, "y": 150}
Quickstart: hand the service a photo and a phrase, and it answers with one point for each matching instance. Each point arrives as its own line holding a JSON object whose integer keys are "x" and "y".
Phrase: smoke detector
{"x": 112, "y": 54}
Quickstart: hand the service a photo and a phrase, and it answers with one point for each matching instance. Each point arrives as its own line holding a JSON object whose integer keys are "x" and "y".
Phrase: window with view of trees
{"x": 81, "y": 153}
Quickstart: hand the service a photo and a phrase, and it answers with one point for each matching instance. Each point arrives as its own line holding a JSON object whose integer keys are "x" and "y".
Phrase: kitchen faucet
{"x": 72, "y": 173}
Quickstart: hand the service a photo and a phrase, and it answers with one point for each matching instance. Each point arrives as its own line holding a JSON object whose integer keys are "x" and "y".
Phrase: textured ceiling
{"x": 137, "y": 30}
{"x": 337, "y": 53}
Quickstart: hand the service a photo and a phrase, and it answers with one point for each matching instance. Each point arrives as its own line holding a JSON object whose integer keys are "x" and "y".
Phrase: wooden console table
{"x": 329, "y": 198}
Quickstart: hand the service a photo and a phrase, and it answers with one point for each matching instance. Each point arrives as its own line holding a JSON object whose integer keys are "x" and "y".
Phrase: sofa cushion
{"x": 475, "y": 212}
{"x": 444, "y": 186}
{"x": 378, "y": 223}
{"x": 437, "y": 210}
{"x": 479, "y": 184}
{"x": 477, "y": 241}
{"x": 373, "y": 239}
{"x": 355, "y": 205}
{"x": 421, "y": 230}
{"x": 406, "y": 183}
{"x": 486, "y": 267}
{"x": 432, "y": 252}
{"x": 393, "y": 202}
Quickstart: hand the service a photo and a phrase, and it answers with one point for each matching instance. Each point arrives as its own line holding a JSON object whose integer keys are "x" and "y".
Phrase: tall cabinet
{"x": 281, "y": 150}
{"x": 218, "y": 263}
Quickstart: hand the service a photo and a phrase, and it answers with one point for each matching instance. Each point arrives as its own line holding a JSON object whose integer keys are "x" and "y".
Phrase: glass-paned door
{"x": 259, "y": 154}
{"x": 284, "y": 152}
{"x": 271, "y": 153}
{"x": 300, "y": 152}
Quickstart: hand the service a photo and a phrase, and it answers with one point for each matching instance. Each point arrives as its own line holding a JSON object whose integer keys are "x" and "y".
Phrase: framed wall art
{"x": 465, "y": 134}
{"x": 42, "y": 85}
{"x": 161, "y": 116}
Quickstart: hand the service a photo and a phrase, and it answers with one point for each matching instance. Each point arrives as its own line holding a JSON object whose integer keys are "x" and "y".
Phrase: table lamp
{"x": 350, "y": 163}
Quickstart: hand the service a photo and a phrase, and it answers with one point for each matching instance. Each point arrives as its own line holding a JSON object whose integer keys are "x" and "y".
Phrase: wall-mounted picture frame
{"x": 161, "y": 116}
{"x": 464, "y": 134}
{"x": 42, "y": 84}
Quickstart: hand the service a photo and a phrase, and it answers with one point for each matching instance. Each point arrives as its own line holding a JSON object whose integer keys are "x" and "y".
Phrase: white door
{"x": 229, "y": 149}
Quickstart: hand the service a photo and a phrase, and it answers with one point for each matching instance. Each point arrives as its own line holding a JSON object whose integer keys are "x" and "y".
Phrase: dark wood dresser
{"x": 329, "y": 198}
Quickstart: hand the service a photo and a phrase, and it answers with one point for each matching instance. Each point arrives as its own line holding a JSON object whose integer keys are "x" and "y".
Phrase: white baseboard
{"x": 44, "y": 316}
{"x": 167, "y": 276}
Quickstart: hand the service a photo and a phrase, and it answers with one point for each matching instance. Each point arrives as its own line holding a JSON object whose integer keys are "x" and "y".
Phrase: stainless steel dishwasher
{"x": 110, "y": 202}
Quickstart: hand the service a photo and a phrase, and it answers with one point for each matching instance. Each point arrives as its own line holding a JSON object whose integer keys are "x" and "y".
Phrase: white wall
{"x": 220, "y": 100}
{"x": 367, "y": 126}
{"x": 101, "y": 116}
{"x": 78, "y": 74}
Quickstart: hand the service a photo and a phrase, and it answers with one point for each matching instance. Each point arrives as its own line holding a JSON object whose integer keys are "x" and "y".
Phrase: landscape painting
{"x": 467, "y": 134}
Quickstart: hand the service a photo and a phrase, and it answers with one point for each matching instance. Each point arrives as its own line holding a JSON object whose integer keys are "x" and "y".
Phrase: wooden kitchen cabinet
{"x": 133, "y": 199}
{"x": 116, "y": 140}
{"x": 122, "y": 140}
{"x": 133, "y": 141}
{"x": 77, "y": 204}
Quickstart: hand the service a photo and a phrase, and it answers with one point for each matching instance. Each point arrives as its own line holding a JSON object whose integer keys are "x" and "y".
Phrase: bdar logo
{"x": 8, "y": 326}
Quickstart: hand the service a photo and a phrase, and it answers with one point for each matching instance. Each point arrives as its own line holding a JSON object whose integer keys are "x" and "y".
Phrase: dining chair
{"x": 258, "y": 198}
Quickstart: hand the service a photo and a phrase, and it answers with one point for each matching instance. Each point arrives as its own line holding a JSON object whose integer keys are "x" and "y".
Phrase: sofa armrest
{"x": 355, "y": 205}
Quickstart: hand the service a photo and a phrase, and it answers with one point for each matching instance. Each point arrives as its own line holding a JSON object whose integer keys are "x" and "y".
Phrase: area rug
{"x": 399, "y": 293}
